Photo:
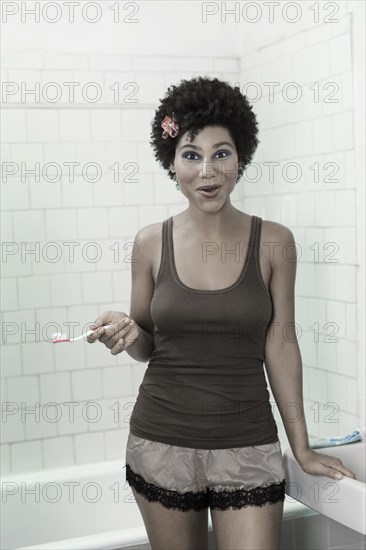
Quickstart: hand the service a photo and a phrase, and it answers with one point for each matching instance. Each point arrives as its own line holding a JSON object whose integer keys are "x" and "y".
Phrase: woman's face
{"x": 211, "y": 159}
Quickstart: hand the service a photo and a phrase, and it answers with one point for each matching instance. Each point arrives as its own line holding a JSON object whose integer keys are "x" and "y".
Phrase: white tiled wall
{"x": 321, "y": 211}
{"x": 54, "y": 230}
{"x": 83, "y": 216}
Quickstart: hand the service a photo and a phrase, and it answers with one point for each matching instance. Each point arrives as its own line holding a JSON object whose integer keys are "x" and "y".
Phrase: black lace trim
{"x": 259, "y": 496}
{"x": 216, "y": 500}
{"x": 169, "y": 499}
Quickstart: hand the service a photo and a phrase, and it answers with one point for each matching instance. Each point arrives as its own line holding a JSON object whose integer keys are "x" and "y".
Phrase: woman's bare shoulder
{"x": 274, "y": 230}
{"x": 148, "y": 233}
{"x": 278, "y": 241}
{"x": 147, "y": 240}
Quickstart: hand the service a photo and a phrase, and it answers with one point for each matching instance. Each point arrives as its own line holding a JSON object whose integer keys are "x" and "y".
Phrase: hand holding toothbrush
{"x": 121, "y": 332}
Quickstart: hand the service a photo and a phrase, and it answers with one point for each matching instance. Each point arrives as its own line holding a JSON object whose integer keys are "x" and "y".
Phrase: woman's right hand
{"x": 118, "y": 337}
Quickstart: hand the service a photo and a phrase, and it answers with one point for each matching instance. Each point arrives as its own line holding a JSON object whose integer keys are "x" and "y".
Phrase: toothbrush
{"x": 59, "y": 337}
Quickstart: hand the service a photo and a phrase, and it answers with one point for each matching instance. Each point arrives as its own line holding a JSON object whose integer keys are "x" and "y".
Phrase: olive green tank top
{"x": 204, "y": 386}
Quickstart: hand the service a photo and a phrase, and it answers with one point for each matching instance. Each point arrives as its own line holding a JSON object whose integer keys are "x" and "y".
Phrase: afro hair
{"x": 200, "y": 102}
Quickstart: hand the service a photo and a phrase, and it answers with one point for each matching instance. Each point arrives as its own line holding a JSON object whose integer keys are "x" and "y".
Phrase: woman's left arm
{"x": 283, "y": 358}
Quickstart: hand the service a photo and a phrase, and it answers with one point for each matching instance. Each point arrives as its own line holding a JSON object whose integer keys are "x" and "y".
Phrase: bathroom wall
{"x": 67, "y": 241}
{"x": 309, "y": 177}
{"x": 76, "y": 397}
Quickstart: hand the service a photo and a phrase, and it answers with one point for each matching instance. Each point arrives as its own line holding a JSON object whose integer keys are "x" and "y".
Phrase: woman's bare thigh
{"x": 250, "y": 528}
{"x": 170, "y": 529}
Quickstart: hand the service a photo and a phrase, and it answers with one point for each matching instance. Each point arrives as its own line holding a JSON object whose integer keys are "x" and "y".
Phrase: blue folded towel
{"x": 340, "y": 440}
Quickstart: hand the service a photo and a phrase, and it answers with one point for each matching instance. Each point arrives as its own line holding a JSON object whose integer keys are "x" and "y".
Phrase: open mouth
{"x": 210, "y": 191}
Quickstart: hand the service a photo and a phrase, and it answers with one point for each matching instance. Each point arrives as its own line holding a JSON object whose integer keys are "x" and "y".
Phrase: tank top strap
{"x": 164, "y": 257}
{"x": 254, "y": 241}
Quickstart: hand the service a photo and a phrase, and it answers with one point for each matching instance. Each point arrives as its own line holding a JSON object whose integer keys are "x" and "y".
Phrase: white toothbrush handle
{"x": 87, "y": 333}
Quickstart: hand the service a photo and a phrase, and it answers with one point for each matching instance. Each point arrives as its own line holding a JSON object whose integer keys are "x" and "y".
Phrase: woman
{"x": 212, "y": 298}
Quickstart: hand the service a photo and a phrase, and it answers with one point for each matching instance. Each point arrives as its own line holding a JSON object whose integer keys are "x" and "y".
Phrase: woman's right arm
{"x": 142, "y": 290}
{"x": 137, "y": 338}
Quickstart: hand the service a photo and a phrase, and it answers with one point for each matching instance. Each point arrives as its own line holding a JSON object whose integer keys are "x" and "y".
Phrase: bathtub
{"x": 86, "y": 507}
{"x": 78, "y": 507}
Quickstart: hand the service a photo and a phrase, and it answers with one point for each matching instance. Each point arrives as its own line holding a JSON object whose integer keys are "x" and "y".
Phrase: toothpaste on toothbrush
{"x": 339, "y": 440}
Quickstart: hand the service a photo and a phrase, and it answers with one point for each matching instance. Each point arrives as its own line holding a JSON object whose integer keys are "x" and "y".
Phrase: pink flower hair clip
{"x": 171, "y": 127}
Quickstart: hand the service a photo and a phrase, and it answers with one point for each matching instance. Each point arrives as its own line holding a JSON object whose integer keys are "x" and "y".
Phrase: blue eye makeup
{"x": 185, "y": 155}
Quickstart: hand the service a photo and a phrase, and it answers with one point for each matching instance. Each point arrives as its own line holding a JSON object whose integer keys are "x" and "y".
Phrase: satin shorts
{"x": 185, "y": 479}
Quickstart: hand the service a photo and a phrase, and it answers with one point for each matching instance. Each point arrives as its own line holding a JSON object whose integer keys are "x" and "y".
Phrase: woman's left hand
{"x": 323, "y": 465}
